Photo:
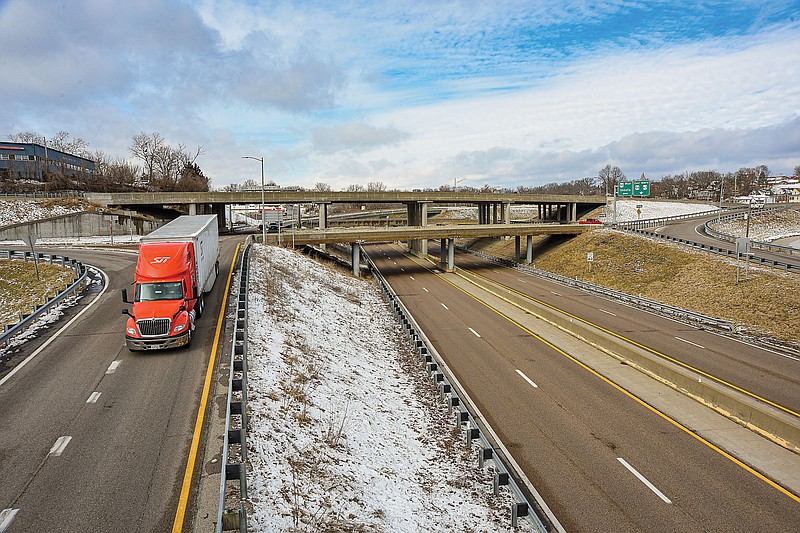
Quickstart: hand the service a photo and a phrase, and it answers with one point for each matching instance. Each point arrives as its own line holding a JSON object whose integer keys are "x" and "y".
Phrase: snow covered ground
{"x": 17, "y": 211}
{"x": 765, "y": 227}
{"x": 347, "y": 432}
{"x": 626, "y": 210}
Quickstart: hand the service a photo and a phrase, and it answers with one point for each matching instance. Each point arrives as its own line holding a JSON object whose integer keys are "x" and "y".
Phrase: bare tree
{"x": 609, "y": 177}
{"x": 145, "y": 147}
{"x": 322, "y": 187}
{"x": 376, "y": 186}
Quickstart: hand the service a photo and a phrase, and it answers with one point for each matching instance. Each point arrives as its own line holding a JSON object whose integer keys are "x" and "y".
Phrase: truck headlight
{"x": 179, "y": 328}
{"x": 131, "y": 332}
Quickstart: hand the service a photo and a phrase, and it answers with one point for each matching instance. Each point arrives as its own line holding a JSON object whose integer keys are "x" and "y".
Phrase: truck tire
{"x": 198, "y": 307}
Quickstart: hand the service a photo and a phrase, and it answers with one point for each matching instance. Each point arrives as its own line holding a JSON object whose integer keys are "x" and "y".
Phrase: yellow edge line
{"x": 616, "y": 386}
{"x": 177, "y": 524}
{"x": 642, "y": 346}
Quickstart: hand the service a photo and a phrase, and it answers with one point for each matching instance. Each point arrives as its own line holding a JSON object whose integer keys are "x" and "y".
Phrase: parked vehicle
{"x": 590, "y": 221}
{"x": 178, "y": 263}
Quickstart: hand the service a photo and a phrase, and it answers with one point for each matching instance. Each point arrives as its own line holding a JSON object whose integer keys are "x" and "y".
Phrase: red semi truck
{"x": 178, "y": 263}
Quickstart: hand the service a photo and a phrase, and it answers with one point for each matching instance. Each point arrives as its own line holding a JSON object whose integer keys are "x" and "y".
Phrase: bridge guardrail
{"x": 236, "y": 408}
{"x": 528, "y": 504}
{"x": 25, "y": 320}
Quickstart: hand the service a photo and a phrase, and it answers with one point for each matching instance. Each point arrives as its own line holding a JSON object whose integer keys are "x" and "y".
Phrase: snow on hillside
{"x": 17, "y": 211}
{"x": 347, "y": 432}
{"x": 765, "y": 227}
{"x": 627, "y": 209}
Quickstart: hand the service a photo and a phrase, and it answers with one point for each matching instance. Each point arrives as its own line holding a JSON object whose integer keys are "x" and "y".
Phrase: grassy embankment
{"x": 21, "y": 292}
{"x": 767, "y": 304}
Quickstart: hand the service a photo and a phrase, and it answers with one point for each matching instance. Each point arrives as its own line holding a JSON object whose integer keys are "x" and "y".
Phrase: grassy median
{"x": 21, "y": 292}
{"x": 766, "y": 304}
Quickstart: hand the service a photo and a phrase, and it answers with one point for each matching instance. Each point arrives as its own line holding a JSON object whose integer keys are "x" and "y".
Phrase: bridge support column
{"x": 355, "y": 258}
{"x": 446, "y": 254}
{"x": 529, "y": 249}
{"x": 323, "y": 215}
{"x": 573, "y": 212}
{"x": 418, "y": 216}
{"x": 219, "y": 210}
{"x": 323, "y": 218}
{"x": 506, "y": 213}
{"x": 516, "y": 247}
{"x": 192, "y": 209}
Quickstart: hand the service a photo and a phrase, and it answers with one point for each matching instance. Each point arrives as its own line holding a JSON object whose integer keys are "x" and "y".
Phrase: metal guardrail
{"x": 236, "y": 518}
{"x": 660, "y": 221}
{"x": 525, "y": 506}
{"x": 650, "y": 305}
{"x": 761, "y": 245}
{"x": 761, "y": 261}
{"x": 25, "y": 320}
{"x": 65, "y": 194}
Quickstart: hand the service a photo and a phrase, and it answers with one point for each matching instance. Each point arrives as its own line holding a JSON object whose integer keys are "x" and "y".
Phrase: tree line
{"x": 162, "y": 167}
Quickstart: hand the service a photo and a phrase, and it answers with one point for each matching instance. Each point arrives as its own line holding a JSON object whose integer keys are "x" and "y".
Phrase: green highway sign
{"x": 633, "y": 188}
{"x": 641, "y": 188}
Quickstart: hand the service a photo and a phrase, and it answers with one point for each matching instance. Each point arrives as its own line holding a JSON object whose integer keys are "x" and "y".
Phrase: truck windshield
{"x": 146, "y": 292}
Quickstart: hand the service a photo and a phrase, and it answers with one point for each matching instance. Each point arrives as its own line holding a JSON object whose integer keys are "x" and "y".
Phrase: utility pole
{"x": 263, "y": 226}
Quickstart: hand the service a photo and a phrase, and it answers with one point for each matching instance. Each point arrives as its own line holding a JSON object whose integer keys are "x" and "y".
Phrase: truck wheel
{"x": 198, "y": 307}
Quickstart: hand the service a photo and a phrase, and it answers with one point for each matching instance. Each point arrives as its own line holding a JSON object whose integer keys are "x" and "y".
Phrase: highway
{"x": 96, "y": 438}
{"x": 764, "y": 373}
{"x": 602, "y": 459}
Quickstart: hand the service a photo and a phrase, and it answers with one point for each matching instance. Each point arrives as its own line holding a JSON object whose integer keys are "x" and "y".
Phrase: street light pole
{"x": 263, "y": 227}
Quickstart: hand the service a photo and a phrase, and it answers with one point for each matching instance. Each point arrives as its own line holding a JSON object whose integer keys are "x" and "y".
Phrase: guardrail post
{"x": 517, "y": 510}
{"x": 500, "y": 480}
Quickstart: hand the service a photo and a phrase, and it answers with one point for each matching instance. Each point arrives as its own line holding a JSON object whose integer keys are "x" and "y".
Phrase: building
{"x": 31, "y": 161}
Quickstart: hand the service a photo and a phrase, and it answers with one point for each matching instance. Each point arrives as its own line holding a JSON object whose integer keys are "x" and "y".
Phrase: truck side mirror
{"x": 126, "y": 312}
{"x": 125, "y": 297}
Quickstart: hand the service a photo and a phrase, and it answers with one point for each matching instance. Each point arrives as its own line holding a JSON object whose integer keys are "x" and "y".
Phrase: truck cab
{"x": 166, "y": 301}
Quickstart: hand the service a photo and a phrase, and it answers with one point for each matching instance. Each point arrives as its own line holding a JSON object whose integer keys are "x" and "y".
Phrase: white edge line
{"x": 606, "y": 312}
{"x": 526, "y": 378}
{"x": 60, "y": 445}
{"x": 644, "y": 480}
{"x": 475, "y": 332}
{"x": 690, "y": 342}
{"x": 57, "y": 333}
{"x": 445, "y": 306}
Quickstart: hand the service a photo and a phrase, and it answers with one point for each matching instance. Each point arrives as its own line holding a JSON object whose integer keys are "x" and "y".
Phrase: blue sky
{"x": 414, "y": 94}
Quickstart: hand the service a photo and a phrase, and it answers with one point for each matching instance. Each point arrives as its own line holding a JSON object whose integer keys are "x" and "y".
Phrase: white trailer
{"x": 203, "y": 232}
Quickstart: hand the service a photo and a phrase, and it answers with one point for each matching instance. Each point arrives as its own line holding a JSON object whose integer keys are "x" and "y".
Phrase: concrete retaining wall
{"x": 80, "y": 225}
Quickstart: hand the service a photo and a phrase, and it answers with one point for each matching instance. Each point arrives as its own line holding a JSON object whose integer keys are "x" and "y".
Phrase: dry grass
{"x": 21, "y": 292}
{"x": 767, "y": 304}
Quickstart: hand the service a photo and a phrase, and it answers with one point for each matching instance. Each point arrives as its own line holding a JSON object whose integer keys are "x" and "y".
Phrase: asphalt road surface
{"x": 94, "y": 437}
{"x": 602, "y": 460}
{"x": 693, "y": 230}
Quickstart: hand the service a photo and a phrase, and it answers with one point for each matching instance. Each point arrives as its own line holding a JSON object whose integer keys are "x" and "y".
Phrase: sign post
{"x": 30, "y": 240}
{"x": 743, "y": 247}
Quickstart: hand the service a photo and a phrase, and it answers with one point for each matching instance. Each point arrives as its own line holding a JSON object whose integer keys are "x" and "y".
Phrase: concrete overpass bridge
{"x": 493, "y": 208}
{"x": 494, "y": 214}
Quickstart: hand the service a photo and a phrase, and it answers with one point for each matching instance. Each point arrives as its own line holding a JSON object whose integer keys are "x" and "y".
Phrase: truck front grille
{"x": 153, "y": 326}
